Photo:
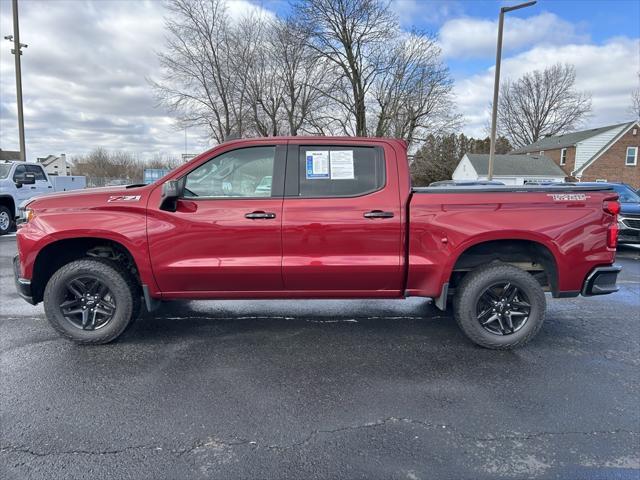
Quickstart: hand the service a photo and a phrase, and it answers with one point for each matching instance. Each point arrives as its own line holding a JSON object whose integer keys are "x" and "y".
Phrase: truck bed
{"x": 562, "y": 223}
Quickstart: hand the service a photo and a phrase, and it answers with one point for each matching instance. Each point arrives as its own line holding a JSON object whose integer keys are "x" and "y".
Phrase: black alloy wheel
{"x": 88, "y": 303}
{"x": 503, "y": 309}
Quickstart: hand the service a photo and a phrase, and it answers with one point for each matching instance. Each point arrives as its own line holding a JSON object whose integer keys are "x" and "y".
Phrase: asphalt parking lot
{"x": 322, "y": 389}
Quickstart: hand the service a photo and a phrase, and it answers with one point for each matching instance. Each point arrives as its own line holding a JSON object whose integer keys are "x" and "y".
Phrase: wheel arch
{"x": 518, "y": 251}
{"x": 59, "y": 252}
{"x": 9, "y": 202}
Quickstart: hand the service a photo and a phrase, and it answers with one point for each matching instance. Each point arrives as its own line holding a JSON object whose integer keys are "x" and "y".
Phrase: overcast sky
{"x": 86, "y": 68}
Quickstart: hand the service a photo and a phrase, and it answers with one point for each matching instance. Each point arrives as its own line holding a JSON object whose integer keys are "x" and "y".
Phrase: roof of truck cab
{"x": 320, "y": 138}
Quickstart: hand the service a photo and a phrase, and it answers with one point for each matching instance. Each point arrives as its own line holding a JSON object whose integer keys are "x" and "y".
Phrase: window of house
{"x": 340, "y": 171}
{"x": 563, "y": 156}
{"x": 632, "y": 156}
{"x": 246, "y": 172}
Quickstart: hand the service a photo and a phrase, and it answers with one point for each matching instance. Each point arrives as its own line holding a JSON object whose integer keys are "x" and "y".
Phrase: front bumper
{"x": 601, "y": 281}
{"x": 628, "y": 228}
{"x": 628, "y": 235}
{"x": 23, "y": 286}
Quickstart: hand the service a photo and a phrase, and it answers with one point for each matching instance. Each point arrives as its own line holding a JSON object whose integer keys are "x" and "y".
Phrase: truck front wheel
{"x": 90, "y": 301}
{"x": 6, "y": 220}
{"x": 499, "y": 306}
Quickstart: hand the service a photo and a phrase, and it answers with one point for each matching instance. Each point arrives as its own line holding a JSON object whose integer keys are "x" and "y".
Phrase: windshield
{"x": 626, "y": 194}
{"x": 4, "y": 170}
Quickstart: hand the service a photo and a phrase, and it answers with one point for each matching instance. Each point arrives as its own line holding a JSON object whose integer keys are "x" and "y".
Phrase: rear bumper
{"x": 601, "y": 281}
{"x": 23, "y": 286}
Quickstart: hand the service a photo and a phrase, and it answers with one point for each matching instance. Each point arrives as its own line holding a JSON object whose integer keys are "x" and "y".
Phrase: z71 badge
{"x": 568, "y": 197}
{"x": 124, "y": 198}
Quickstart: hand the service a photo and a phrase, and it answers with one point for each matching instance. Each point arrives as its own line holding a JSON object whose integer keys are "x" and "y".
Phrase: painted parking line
{"x": 7, "y": 235}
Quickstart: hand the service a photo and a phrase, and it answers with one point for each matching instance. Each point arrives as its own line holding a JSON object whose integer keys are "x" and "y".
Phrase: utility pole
{"x": 17, "y": 51}
{"x": 496, "y": 84}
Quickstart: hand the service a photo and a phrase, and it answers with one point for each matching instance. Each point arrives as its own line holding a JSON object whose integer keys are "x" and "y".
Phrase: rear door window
{"x": 340, "y": 171}
{"x": 37, "y": 171}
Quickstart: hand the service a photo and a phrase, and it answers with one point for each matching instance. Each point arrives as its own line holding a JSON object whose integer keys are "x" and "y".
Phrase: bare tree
{"x": 351, "y": 35}
{"x": 541, "y": 103}
{"x": 258, "y": 89}
{"x": 198, "y": 80}
{"x": 335, "y": 67}
{"x": 100, "y": 166}
{"x": 299, "y": 72}
{"x": 413, "y": 95}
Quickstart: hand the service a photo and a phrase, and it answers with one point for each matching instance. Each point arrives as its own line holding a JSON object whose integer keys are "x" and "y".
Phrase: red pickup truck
{"x": 314, "y": 217}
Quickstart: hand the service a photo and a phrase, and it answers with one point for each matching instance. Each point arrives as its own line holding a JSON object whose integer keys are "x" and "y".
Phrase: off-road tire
{"x": 5, "y": 211}
{"x": 469, "y": 291}
{"x": 120, "y": 282}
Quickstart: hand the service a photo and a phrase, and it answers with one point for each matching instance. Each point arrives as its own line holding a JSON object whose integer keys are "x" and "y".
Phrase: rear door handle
{"x": 259, "y": 215}
{"x": 378, "y": 214}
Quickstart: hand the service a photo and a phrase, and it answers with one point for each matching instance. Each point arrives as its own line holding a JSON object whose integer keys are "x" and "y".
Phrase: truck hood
{"x": 630, "y": 208}
{"x": 88, "y": 197}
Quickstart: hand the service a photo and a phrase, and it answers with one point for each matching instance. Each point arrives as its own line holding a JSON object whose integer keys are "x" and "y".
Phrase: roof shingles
{"x": 516, "y": 165}
{"x": 567, "y": 140}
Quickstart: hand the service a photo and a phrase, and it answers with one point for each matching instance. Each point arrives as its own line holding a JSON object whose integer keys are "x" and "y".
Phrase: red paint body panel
{"x": 319, "y": 248}
{"x": 210, "y": 246}
{"x": 328, "y": 244}
{"x": 574, "y": 232}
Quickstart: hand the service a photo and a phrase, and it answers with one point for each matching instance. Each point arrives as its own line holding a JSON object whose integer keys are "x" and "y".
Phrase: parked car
{"x": 629, "y": 218}
{"x": 341, "y": 221}
{"x": 19, "y": 181}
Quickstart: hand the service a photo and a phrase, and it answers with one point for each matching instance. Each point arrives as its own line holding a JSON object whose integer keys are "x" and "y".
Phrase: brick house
{"x": 601, "y": 154}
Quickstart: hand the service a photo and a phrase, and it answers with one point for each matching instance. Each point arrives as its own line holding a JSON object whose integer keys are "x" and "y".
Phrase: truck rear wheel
{"x": 499, "y": 306}
{"x": 90, "y": 301}
{"x": 6, "y": 220}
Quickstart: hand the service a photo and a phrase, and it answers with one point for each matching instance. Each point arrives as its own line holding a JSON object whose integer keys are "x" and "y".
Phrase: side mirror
{"x": 171, "y": 192}
{"x": 25, "y": 179}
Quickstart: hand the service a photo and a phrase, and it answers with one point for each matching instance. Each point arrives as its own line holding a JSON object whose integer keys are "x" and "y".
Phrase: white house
{"x": 509, "y": 169}
{"x": 54, "y": 165}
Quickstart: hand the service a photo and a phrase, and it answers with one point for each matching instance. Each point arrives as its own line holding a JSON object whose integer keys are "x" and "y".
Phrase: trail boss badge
{"x": 568, "y": 197}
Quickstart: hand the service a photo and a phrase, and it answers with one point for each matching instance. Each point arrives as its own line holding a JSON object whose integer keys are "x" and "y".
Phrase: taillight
{"x": 612, "y": 235}
{"x": 612, "y": 207}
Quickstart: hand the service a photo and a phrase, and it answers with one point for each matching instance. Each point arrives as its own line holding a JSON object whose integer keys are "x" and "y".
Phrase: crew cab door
{"x": 225, "y": 235}
{"x": 42, "y": 185}
{"x": 341, "y": 226}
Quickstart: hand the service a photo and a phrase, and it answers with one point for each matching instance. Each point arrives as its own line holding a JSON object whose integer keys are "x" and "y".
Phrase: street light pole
{"x": 496, "y": 84}
{"x": 17, "y": 46}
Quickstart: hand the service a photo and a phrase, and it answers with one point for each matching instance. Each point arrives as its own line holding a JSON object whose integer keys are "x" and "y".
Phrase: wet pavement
{"x": 322, "y": 389}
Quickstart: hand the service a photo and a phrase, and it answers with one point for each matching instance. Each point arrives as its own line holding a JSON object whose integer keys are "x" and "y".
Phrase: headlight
{"x": 28, "y": 215}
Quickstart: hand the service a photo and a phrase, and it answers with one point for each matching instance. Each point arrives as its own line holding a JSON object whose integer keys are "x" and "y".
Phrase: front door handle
{"x": 259, "y": 215}
{"x": 378, "y": 214}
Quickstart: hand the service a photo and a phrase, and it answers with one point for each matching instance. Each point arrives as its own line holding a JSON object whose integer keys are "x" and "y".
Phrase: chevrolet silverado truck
{"x": 314, "y": 217}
